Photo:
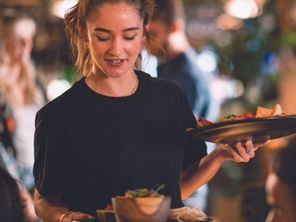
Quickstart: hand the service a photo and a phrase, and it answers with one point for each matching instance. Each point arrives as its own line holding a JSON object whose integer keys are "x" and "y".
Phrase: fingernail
{"x": 249, "y": 143}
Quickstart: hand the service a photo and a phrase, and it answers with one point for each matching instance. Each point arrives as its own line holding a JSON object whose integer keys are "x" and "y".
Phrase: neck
{"x": 114, "y": 87}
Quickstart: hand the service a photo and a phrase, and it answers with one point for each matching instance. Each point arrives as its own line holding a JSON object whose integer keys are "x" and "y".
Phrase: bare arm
{"x": 49, "y": 211}
{"x": 54, "y": 211}
{"x": 197, "y": 175}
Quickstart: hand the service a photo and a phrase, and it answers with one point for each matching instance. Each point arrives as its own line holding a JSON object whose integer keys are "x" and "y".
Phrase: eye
{"x": 102, "y": 38}
{"x": 129, "y": 38}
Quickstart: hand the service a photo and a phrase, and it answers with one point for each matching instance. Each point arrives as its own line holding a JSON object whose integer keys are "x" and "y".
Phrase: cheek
{"x": 134, "y": 48}
{"x": 96, "y": 50}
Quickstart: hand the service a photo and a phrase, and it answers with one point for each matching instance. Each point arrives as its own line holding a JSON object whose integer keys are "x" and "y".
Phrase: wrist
{"x": 219, "y": 154}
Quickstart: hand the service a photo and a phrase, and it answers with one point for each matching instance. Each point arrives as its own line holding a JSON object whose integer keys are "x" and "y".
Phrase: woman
{"x": 281, "y": 186}
{"x": 21, "y": 95}
{"x": 116, "y": 128}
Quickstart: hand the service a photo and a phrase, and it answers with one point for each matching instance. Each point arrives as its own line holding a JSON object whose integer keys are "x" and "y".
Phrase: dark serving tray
{"x": 255, "y": 129}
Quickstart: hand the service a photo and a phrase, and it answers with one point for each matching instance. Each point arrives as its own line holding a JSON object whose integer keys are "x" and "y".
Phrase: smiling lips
{"x": 115, "y": 62}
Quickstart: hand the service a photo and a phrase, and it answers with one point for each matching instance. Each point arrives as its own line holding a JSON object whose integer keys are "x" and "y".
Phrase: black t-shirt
{"x": 92, "y": 147}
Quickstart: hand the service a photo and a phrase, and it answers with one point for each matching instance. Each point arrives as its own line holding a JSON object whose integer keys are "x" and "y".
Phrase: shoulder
{"x": 62, "y": 103}
{"x": 158, "y": 83}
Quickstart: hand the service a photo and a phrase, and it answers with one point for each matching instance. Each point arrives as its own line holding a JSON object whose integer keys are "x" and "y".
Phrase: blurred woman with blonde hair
{"x": 21, "y": 96}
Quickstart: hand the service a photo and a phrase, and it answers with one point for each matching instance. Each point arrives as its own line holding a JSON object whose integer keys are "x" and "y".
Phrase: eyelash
{"x": 130, "y": 38}
{"x": 106, "y": 39}
{"x": 102, "y": 39}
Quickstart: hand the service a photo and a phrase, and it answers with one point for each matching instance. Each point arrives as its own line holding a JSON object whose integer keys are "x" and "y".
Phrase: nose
{"x": 115, "y": 47}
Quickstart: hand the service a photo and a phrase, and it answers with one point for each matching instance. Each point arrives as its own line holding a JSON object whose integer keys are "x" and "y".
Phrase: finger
{"x": 235, "y": 156}
{"x": 249, "y": 146}
{"x": 242, "y": 152}
{"x": 251, "y": 153}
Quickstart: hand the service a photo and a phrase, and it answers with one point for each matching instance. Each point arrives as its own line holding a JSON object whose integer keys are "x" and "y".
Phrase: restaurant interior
{"x": 247, "y": 48}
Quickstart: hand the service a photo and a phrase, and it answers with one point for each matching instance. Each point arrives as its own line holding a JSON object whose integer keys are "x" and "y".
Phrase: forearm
{"x": 195, "y": 176}
{"x": 192, "y": 178}
{"x": 48, "y": 211}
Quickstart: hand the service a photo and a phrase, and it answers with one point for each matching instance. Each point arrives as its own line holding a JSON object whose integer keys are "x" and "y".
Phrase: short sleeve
{"x": 194, "y": 152}
{"x": 49, "y": 155}
{"x": 195, "y": 148}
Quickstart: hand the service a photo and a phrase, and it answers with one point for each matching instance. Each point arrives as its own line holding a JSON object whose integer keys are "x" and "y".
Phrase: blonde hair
{"x": 75, "y": 22}
{"x": 24, "y": 27}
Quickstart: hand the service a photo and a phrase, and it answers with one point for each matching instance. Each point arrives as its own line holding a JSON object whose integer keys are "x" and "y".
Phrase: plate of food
{"x": 148, "y": 205}
{"x": 266, "y": 124}
{"x": 138, "y": 205}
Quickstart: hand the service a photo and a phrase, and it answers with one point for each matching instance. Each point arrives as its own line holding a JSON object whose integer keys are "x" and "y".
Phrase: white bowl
{"x": 141, "y": 209}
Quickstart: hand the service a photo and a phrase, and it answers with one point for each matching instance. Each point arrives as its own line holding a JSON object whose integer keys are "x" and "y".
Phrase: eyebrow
{"x": 124, "y": 30}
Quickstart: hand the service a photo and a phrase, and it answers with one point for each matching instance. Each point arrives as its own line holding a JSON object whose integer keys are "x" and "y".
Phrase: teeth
{"x": 116, "y": 61}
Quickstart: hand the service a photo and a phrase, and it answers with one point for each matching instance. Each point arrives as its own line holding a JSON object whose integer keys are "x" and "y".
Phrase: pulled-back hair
{"x": 285, "y": 165}
{"x": 168, "y": 11}
{"x": 75, "y": 22}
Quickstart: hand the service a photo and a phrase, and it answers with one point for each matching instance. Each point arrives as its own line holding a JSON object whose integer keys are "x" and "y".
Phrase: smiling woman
{"x": 116, "y": 128}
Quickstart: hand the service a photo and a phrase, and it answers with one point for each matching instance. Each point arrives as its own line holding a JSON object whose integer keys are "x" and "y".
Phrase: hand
{"x": 28, "y": 45}
{"x": 240, "y": 152}
{"x": 27, "y": 204}
{"x": 75, "y": 217}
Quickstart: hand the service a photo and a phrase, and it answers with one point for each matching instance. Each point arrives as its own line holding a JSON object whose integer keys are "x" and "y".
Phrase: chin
{"x": 117, "y": 73}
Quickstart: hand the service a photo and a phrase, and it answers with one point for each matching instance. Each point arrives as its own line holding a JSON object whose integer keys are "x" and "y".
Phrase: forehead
{"x": 109, "y": 14}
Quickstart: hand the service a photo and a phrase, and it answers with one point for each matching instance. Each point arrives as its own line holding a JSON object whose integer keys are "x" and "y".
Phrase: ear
{"x": 177, "y": 26}
{"x": 144, "y": 37}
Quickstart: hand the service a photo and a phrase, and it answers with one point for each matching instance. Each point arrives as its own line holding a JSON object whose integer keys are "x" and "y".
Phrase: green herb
{"x": 144, "y": 192}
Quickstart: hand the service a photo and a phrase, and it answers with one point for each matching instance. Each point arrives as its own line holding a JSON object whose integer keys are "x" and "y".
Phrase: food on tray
{"x": 203, "y": 121}
{"x": 246, "y": 115}
{"x": 265, "y": 112}
{"x": 261, "y": 112}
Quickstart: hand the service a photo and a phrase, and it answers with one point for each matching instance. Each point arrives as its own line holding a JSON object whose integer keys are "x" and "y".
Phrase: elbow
{"x": 184, "y": 194}
{"x": 184, "y": 191}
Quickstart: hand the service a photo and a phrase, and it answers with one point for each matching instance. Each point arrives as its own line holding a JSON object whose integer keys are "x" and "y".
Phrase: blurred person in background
{"x": 9, "y": 176}
{"x": 254, "y": 207}
{"x": 281, "y": 186}
{"x": 22, "y": 93}
{"x": 177, "y": 59}
{"x": 16, "y": 204}
{"x": 178, "y": 63}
